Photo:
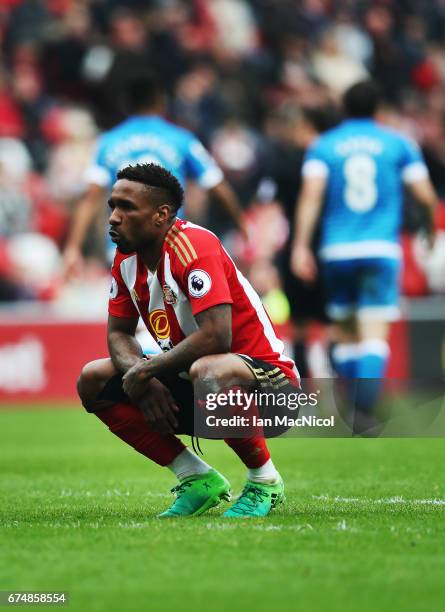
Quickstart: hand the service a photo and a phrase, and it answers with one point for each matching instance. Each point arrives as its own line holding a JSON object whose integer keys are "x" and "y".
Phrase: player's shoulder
{"x": 403, "y": 147}
{"x": 198, "y": 236}
{"x": 116, "y": 130}
{"x": 110, "y": 137}
{"x": 327, "y": 138}
{"x": 177, "y": 132}
{"x": 187, "y": 242}
{"x": 393, "y": 135}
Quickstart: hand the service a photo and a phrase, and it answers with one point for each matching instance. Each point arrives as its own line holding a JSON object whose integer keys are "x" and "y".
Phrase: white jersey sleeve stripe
{"x": 315, "y": 168}
{"x": 275, "y": 343}
{"x": 417, "y": 171}
{"x": 211, "y": 177}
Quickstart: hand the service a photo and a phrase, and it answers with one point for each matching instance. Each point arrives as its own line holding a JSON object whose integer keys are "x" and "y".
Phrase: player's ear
{"x": 163, "y": 214}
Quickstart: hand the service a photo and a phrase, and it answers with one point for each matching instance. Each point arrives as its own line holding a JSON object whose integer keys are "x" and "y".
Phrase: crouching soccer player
{"x": 208, "y": 321}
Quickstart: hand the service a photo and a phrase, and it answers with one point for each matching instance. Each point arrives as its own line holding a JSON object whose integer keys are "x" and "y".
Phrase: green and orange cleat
{"x": 197, "y": 494}
{"x": 257, "y": 500}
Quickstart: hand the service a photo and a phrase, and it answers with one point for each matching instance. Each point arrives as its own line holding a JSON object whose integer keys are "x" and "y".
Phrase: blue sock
{"x": 371, "y": 366}
{"x": 344, "y": 360}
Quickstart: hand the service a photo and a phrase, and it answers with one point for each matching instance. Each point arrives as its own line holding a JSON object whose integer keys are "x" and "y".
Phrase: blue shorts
{"x": 367, "y": 288}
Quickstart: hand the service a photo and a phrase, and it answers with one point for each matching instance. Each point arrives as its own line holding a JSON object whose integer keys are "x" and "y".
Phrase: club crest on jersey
{"x": 159, "y": 323}
{"x": 170, "y": 296}
{"x": 113, "y": 289}
{"x": 199, "y": 283}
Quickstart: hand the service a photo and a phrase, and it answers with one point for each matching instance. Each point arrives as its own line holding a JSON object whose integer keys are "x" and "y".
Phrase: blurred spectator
{"x": 198, "y": 105}
{"x": 74, "y": 136}
{"x": 109, "y": 67}
{"x": 65, "y": 51}
{"x": 29, "y": 257}
{"x": 34, "y": 104}
{"x": 236, "y": 34}
{"x": 351, "y": 39}
{"x": 333, "y": 67}
{"x": 15, "y": 205}
{"x": 240, "y": 151}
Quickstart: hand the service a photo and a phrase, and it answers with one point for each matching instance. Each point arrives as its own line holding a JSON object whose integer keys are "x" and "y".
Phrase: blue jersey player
{"x": 144, "y": 137}
{"x": 353, "y": 181}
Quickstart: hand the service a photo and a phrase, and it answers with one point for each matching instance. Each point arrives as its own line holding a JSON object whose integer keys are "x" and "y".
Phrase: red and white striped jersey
{"x": 194, "y": 273}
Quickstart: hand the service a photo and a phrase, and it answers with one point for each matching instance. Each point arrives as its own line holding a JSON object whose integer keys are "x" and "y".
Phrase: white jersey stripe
{"x": 276, "y": 344}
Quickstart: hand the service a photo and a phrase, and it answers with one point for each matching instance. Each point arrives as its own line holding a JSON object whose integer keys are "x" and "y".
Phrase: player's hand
{"x": 72, "y": 263}
{"x": 159, "y": 408}
{"x": 303, "y": 264}
{"x": 136, "y": 379}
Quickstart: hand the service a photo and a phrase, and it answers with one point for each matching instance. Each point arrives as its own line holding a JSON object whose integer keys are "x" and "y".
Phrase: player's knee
{"x": 89, "y": 382}
{"x": 204, "y": 368}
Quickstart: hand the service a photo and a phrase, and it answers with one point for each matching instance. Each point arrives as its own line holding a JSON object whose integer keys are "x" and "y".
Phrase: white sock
{"x": 187, "y": 464}
{"x": 266, "y": 474}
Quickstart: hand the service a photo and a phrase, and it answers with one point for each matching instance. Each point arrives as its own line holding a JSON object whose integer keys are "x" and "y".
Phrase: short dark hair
{"x": 142, "y": 92}
{"x": 164, "y": 187}
{"x": 321, "y": 117}
{"x": 362, "y": 99}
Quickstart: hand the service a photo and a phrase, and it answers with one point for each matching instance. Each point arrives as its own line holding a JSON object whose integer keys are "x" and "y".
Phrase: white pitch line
{"x": 385, "y": 500}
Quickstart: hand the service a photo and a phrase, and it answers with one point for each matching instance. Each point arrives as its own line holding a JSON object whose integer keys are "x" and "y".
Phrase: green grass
{"x": 357, "y": 531}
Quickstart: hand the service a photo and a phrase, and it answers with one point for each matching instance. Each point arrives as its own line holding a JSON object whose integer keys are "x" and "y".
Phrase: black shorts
{"x": 267, "y": 376}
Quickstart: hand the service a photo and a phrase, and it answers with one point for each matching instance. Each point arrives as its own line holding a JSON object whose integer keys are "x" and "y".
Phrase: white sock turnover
{"x": 187, "y": 464}
{"x": 266, "y": 474}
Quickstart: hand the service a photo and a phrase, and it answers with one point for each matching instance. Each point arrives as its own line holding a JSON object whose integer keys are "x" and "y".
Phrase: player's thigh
{"x": 372, "y": 329}
{"x": 224, "y": 368}
{"x": 379, "y": 290}
{"x": 339, "y": 283}
{"x": 344, "y": 331}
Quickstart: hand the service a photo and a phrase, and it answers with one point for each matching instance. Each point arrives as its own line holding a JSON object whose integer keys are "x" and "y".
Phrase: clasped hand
{"x": 152, "y": 397}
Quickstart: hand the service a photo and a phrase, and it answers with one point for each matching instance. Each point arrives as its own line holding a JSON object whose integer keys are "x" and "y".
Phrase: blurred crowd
{"x": 254, "y": 79}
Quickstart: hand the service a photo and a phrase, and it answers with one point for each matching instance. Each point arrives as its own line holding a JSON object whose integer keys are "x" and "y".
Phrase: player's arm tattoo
{"x": 124, "y": 349}
{"x": 214, "y": 336}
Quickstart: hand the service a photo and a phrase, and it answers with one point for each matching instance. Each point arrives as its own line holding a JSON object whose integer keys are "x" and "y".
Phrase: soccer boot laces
{"x": 257, "y": 499}
{"x": 198, "y": 493}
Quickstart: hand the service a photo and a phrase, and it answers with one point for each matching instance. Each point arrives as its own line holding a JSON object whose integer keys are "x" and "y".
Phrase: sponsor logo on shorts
{"x": 199, "y": 283}
{"x": 159, "y": 323}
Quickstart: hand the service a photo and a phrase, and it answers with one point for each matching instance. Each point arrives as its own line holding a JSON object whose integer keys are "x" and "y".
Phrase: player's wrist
{"x": 129, "y": 362}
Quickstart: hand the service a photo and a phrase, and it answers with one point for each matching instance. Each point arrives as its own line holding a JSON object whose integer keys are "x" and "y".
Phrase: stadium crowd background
{"x": 252, "y": 78}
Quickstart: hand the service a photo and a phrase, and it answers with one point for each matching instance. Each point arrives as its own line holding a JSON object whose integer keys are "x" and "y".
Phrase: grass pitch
{"x": 362, "y": 529}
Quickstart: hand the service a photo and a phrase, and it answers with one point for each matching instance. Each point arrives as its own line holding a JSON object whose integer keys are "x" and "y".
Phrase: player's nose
{"x": 114, "y": 218}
